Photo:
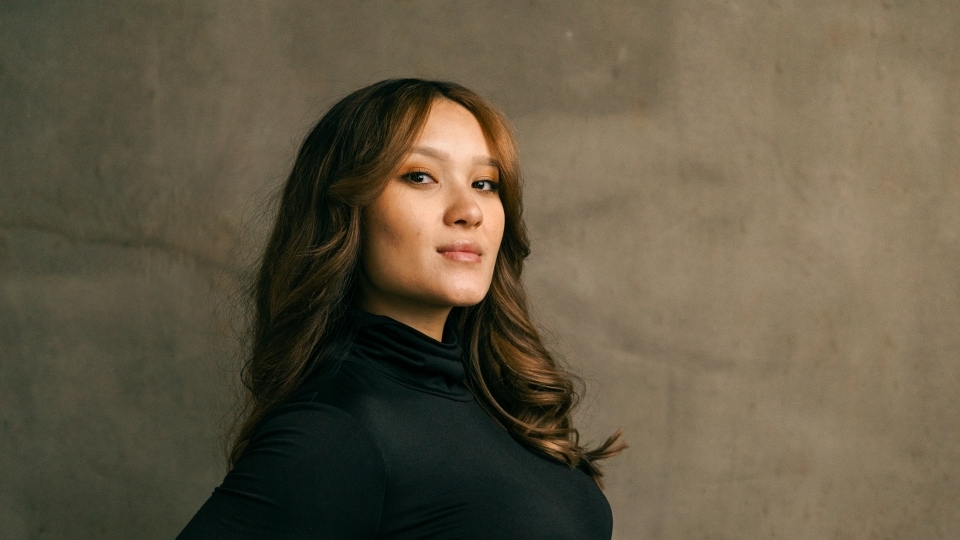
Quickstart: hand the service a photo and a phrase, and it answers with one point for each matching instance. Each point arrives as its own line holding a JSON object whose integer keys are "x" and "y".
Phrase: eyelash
{"x": 409, "y": 177}
{"x": 494, "y": 186}
{"x": 412, "y": 175}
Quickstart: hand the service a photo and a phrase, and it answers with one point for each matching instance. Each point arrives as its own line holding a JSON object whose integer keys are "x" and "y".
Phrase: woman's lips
{"x": 461, "y": 250}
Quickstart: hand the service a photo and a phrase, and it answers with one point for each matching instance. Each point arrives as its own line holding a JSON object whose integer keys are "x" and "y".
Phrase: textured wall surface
{"x": 746, "y": 226}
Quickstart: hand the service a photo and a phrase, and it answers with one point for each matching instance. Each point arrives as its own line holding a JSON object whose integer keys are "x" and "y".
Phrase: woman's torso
{"x": 398, "y": 448}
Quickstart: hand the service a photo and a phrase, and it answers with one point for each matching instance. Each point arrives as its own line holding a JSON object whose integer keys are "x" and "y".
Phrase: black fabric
{"x": 392, "y": 445}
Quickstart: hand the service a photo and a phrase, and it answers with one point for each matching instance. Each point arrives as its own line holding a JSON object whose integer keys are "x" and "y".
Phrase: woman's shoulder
{"x": 311, "y": 432}
{"x": 325, "y": 406}
{"x": 309, "y": 467}
{"x": 351, "y": 386}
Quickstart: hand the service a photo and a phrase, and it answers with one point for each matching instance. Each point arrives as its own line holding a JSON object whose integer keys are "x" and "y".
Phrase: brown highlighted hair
{"x": 308, "y": 274}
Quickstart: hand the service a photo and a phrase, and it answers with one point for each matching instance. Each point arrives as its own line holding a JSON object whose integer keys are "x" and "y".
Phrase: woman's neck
{"x": 425, "y": 318}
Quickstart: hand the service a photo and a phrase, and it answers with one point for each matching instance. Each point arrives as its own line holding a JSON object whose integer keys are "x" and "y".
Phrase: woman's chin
{"x": 465, "y": 298}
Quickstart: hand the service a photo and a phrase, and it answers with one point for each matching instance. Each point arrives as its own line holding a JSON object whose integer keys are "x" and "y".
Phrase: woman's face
{"x": 430, "y": 240}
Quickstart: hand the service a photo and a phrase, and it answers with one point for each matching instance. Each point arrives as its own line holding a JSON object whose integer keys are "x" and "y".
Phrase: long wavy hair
{"x": 308, "y": 276}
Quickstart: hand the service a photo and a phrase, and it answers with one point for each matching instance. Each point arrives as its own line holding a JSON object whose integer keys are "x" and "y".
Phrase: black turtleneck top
{"x": 392, "y": 445}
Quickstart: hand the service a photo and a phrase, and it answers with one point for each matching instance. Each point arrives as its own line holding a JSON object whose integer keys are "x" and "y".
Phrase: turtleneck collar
{"x": 412, "y": 357}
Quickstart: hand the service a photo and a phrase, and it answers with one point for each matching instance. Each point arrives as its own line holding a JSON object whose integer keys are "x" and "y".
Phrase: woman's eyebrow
{"x": 430, "y": 152}
{"x": 488, "y": 161}
{"x": 440, "y": 155}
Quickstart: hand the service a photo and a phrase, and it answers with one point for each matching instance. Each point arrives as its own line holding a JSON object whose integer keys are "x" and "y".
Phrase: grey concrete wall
{"x": 746, "y": 226}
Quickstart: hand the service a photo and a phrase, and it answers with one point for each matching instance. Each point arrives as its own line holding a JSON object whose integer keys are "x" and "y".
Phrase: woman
{"x": 397, "y": 388}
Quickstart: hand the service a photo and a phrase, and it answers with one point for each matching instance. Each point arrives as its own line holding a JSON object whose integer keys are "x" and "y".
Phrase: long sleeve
{"x": 310, "y": 471}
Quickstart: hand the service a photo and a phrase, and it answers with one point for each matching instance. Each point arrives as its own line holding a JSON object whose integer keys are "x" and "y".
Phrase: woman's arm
{"x": 311, "y": 471}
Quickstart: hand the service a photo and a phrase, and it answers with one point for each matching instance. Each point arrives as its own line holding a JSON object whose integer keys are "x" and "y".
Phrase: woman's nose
{"x": 462, "y": 208}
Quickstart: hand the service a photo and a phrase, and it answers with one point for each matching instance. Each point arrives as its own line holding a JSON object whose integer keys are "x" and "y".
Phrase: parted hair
{"x": 308, "y": 276}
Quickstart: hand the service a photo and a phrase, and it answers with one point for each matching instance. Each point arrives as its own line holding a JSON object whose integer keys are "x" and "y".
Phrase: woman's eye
{"x": 417, "y": 177}
{"x": 487, "y": 185}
